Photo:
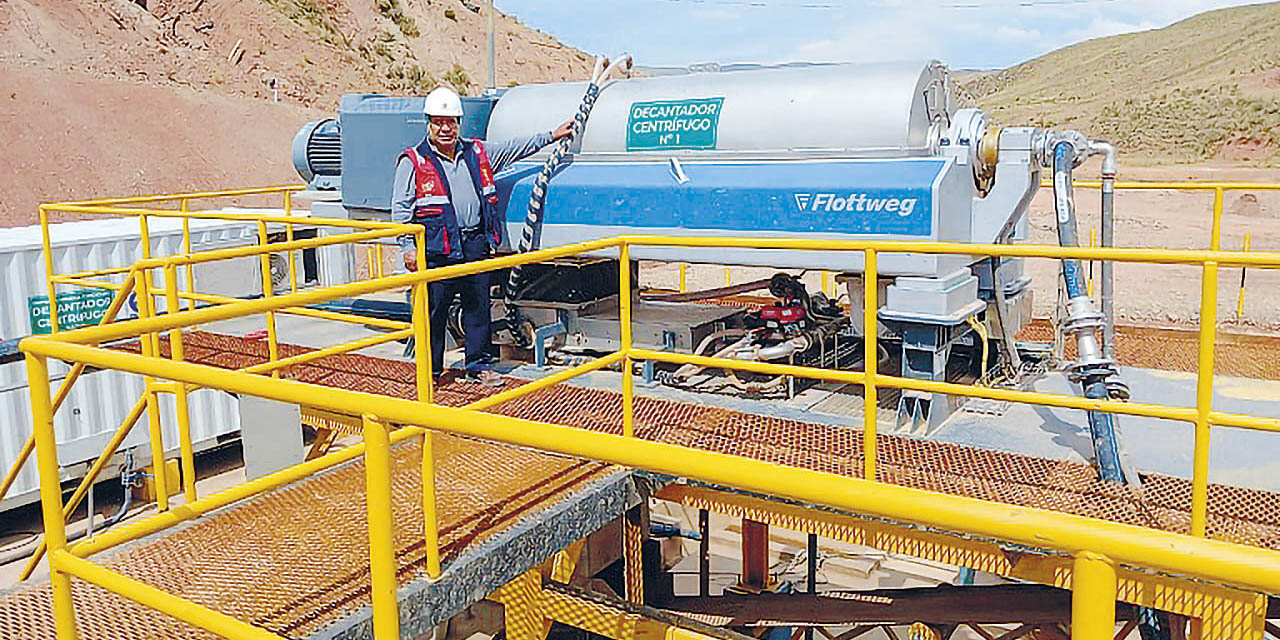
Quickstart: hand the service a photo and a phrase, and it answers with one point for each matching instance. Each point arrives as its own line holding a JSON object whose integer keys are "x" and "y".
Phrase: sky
{"x": 964, "y": 34}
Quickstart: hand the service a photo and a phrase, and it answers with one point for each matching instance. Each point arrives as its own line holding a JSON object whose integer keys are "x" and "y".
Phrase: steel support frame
{"x": 1216, "y": 611}
{"x": 926, "y": 350}
{"x": 755, "y": 557}
{"x": 634, "y": 531}
{"x": 529, "y": 610}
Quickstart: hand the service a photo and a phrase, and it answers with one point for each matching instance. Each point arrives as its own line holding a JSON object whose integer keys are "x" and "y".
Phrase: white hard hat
{"x": 443, "y": 102}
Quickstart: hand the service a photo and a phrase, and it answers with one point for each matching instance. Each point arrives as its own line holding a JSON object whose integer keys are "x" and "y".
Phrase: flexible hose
{"x": 689, "y": 370}
{"x": 533, "y": 217}
{"x": 1106, "y": 449}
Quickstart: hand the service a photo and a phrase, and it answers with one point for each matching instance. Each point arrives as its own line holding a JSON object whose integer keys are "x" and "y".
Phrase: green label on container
{"x": 674, "y": 124}
{"x": 80, "y": 308}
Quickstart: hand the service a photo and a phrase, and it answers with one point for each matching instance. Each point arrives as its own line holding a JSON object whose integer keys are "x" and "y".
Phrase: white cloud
{"x": 717, "y": 14}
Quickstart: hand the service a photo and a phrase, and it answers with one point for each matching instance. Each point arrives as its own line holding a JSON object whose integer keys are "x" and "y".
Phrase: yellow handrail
{"x": 1097, "y": 546}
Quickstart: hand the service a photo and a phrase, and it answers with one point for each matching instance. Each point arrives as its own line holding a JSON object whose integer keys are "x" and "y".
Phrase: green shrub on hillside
{"x": 312, "y": 17}
{"x": 394, "y": 12}
{"x": 457, "y": 77}
{"x": 410, "y": 78}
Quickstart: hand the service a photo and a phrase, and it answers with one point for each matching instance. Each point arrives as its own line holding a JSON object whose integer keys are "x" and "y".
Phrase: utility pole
{"x": 493, "y": 72}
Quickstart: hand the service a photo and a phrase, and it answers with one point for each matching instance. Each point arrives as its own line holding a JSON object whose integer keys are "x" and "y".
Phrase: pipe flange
{"x": 1082, "y": 316}
{"x": 1074, "y": 326}
{"x": 1046, "y": 141}
{"x": 1097, "y": 367}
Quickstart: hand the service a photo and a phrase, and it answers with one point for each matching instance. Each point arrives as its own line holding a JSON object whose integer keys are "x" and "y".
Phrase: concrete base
{"x": 424, "y": 604}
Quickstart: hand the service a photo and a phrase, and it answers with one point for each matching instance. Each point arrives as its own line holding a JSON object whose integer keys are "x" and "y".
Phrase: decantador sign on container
{"x": 81, "y": 308}
{"x": 674, "y": 124}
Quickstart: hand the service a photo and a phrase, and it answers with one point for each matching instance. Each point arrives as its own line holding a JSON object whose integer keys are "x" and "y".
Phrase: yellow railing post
{"x": 1204, "y": 377}
{"x": 55, "y": 530}
{"x": 624, "y": 308}
{"x": 1204, "y": 399}
{"x": 144, "y": 288}
{"x": 151, "y": 349}
{"x": 1239, "y": 298}
{"x": 421, "y": 320}
{"x": 1093, "y": 243}
{"x": 870, "y": 326}
{"x": 382, "y": 554}
{"x": 826, "y": 282}
{"x": 422, "y": 342}
{"x": 48, "y": 269}
{"x": 422, "y": 359}
{"x": 293, "y": 270}
{"x": 1215, "y": 231}
{"x": 684, "y": 279}
{"x": 268, "y": 290}
{"x": 181, "y": 407}
{"x": 728, "y": 277}
{"x": 1093, "y": 597}
{"x": 430, "y": 519}
{"x": 186, "y": 249}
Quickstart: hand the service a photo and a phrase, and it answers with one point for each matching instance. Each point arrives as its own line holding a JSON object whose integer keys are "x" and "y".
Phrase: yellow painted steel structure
{"x": 1219, "y": 611}
{"x": 1101, "y": 550}
{"x": 139, "y": 278}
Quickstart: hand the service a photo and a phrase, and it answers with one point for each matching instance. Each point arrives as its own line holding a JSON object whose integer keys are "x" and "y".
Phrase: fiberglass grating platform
{"x": 1245, "y": 516}
{"x": 294, "y": 560}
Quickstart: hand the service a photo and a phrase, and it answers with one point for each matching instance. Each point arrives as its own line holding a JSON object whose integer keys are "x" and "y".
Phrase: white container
{"x": 99, "y": 401}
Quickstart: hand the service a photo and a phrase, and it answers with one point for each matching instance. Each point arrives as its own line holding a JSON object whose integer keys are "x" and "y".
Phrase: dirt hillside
{"x": 313, "y": 50}
{"x": 108, "y": 97}
{"x": 1205, "y": 88}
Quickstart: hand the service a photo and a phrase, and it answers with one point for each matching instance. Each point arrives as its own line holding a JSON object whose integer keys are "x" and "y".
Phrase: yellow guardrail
{"x": 139, "y": 279}
{"x": 1098, "y": 546}
{"x": 1219, "y": 190}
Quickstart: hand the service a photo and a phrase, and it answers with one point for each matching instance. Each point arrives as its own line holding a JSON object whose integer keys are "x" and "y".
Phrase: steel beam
{"x": 946, "y": 604}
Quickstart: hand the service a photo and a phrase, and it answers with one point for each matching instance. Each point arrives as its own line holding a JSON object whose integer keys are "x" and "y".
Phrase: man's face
{"x": 443, "y": 130}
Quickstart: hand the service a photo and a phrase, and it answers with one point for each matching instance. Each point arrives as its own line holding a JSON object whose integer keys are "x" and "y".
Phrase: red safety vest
{"x": 433, "y": 207}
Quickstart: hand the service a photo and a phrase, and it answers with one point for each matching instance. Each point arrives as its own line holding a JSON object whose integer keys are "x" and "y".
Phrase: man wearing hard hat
{"x": 445, "y": 184}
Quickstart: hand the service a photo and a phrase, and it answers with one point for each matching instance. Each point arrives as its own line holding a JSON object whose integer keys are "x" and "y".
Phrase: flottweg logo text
{"x": 854, "y": 202}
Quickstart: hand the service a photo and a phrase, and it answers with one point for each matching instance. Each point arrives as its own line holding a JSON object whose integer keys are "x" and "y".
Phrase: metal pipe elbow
{"x": 1108, "y": 153}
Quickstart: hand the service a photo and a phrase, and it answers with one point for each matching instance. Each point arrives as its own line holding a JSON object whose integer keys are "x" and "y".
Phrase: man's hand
{"x": 411, "y": 260}
{"x": 562, "y": 131}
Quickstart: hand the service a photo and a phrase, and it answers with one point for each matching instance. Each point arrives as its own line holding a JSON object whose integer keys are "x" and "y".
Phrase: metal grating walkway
{"x": 1246, "y": 516}
{"x": 295, "y": 560}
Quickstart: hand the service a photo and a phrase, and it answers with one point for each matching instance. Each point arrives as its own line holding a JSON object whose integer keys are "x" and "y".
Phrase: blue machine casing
{"x": 883, "y": 199}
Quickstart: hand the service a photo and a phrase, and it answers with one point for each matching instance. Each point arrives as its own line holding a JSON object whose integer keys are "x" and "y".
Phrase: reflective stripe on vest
{"x": 487, "y": 187}
{"x": 430, "y": 201}
{"x": 488, "y": 190}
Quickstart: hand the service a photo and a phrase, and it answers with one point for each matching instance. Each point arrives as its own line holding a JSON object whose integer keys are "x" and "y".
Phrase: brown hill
{"x": 71, "y": 135}
{"x": 106, "y": 97}
{"x": 1204, "y": 88}
{"x": 313, "y": 50}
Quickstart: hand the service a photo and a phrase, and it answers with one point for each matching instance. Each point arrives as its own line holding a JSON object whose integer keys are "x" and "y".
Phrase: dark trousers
{"x": 474, "y": 290}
